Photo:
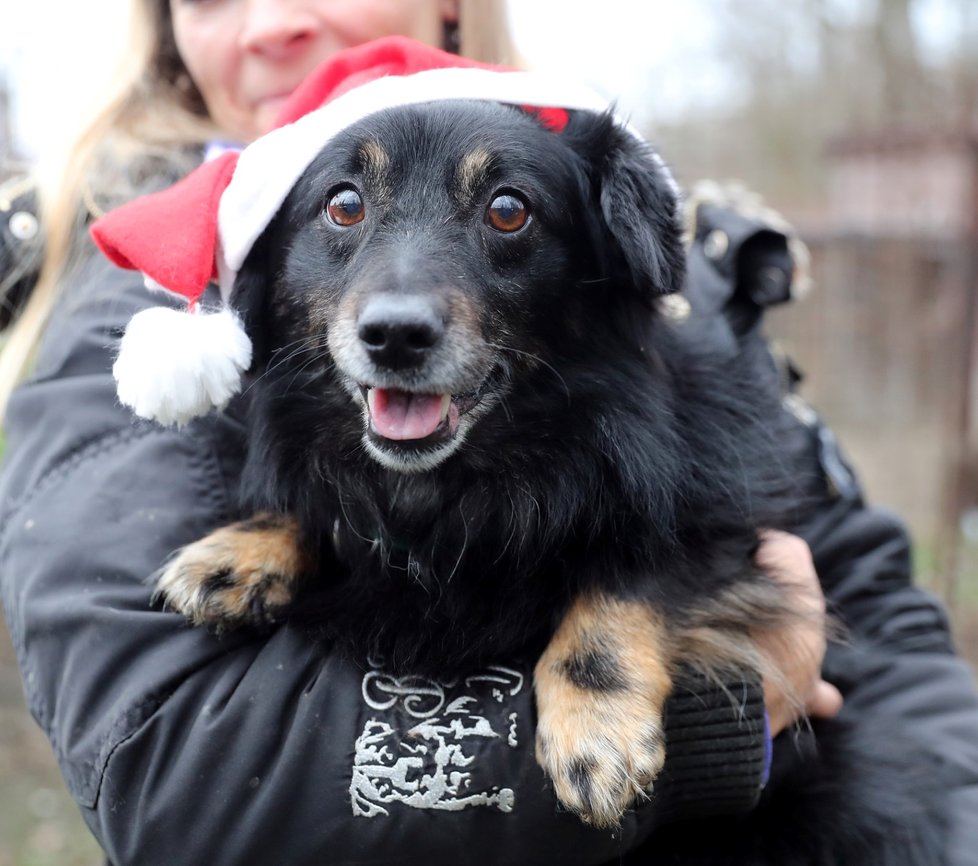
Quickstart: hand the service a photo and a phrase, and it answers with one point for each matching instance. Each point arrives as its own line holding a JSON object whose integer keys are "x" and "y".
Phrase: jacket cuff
{"x": 717, "y": 750}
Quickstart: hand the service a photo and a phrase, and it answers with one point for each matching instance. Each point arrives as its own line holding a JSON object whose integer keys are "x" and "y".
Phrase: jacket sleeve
{"x": 184, "y": 747}
{"x": 895, "y": 656}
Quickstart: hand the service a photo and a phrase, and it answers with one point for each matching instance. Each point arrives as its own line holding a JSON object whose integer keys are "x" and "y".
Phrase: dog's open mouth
{"x": 408, "y": 419}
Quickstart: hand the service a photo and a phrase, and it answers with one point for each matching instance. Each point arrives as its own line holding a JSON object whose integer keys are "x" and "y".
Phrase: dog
{"x": 475, "y": 432}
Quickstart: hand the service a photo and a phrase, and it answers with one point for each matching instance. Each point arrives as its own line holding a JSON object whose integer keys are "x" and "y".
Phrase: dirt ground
{"x": 39, "y": 823}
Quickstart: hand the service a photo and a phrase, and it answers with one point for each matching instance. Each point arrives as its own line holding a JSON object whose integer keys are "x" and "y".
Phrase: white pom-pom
{"x": 174, "y": 366}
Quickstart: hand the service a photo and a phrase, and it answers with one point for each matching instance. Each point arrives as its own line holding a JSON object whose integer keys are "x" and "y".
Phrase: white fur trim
{"x": 174, "y": 366}
{"x": 269, "y": 167}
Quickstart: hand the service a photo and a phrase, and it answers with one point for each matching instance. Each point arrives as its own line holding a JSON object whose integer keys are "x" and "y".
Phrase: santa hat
{"x": 174, "y": 365}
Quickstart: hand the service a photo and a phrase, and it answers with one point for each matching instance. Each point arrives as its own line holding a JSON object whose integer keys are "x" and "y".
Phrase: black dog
{"x": 477, "y": 433}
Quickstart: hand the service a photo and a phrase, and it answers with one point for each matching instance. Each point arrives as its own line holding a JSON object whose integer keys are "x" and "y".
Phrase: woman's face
{"x": 247, "y": 56}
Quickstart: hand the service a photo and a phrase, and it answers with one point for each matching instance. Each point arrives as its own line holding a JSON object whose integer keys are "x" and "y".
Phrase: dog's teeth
{"x": 371, "y": 399}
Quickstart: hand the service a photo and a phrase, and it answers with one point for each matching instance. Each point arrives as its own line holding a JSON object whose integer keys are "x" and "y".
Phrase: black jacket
{"x": 184, "y": 748}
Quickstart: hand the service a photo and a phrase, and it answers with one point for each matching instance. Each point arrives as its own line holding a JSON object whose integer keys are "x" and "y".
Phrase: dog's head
{"x": 433, "y": 256}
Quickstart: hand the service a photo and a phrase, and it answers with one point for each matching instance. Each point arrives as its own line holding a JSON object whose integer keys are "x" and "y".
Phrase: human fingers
{"x": 793, "y": 685}
{"x": 788, "y": 559}
{"x": 825, "y": 701}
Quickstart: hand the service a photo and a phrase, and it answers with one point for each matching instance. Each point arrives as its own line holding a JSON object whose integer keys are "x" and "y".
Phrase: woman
{"x": 184, "y": 748}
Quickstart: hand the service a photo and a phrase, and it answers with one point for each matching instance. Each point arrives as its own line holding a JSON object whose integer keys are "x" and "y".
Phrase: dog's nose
{"x": 399, "y": 331}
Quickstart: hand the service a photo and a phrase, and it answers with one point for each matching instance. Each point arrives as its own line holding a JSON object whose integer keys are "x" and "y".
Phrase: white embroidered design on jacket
{"x": 431, "y": 764}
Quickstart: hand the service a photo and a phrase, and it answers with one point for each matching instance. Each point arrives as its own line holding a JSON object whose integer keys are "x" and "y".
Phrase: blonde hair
{"x": 151, "y": 113}
{"x": 484, "y": 32}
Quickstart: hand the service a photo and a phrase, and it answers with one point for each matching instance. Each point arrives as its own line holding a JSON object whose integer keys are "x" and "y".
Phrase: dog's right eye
{"x": 345, "y": 207}
{"x": 507, "y": 213}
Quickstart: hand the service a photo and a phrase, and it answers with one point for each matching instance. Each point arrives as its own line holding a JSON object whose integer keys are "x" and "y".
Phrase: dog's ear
{"x": 252, "y": 295}
{"x": 640, "y": 207}
{"x": 249, "y": 300}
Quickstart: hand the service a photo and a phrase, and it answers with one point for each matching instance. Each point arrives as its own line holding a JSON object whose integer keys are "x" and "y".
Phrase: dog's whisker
{"x": 533, "y": 357}
{"x": 305, "y": 365}
{"x": 505, "y": 407}
{"x": 305, "y": 343}
{"x": 465, "y": 544}
{"x": 341, "y": 501}
{"x": 514, "y": 527}
{"x": 316, "y": 345}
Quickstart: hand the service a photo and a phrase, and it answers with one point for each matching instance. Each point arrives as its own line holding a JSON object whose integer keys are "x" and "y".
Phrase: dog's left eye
{"x": 507, "y": 213}
{"x": 345, "y": 207}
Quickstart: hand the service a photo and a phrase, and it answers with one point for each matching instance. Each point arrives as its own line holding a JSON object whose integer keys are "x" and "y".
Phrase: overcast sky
{"x": 656, "y": 57}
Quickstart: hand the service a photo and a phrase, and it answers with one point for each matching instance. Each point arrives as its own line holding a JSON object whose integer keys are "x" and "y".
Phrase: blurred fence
{"x": 886, "y": 342}
{"x": 882, "y": 341}
{"x": 888, "y": 337}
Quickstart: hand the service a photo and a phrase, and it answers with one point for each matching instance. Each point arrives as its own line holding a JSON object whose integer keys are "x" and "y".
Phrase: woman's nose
{"x": 276, "y": 28}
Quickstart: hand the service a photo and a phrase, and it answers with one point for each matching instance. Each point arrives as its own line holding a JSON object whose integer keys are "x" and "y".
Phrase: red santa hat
{"x": 176, "y": 365}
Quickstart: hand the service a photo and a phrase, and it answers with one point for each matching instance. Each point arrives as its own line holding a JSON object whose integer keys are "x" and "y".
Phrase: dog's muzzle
{"x": 419, "y": 375}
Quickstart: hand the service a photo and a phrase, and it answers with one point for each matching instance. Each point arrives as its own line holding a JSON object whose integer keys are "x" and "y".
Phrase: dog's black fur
{"x": 619, "y": 457}
{"x": 608, "y": 450}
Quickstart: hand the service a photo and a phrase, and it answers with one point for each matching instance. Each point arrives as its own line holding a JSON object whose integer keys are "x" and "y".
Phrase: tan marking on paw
{"x": 245, "y": 572}
{"x": 601, "y": 685}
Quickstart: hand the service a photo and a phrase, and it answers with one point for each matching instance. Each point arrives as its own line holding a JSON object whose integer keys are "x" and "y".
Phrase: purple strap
{"x": 768, "y": 750}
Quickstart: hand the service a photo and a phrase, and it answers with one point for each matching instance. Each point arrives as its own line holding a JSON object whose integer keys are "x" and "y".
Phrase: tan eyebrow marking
{"x": 470, "y": 170}
{"x": 376, "y": 166}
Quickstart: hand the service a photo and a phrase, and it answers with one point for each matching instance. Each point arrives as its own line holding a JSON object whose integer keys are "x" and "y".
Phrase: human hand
{"x": 796, "y": 652}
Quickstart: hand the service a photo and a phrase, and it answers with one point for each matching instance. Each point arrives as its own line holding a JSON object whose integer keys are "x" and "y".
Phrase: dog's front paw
{"x": 601, "y": 686}
{"x": 243, "y": 573}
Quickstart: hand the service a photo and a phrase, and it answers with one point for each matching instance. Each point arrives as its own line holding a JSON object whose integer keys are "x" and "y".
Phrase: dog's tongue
{"x": 402, "y": 416}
